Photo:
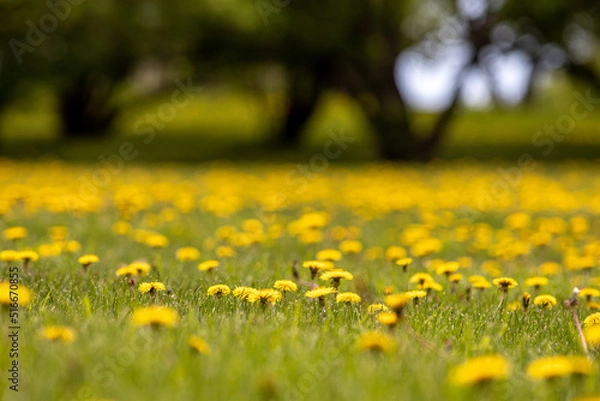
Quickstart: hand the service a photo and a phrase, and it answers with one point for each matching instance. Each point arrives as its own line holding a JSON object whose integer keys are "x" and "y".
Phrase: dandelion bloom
{"x": 319, "y": 292}
{"x": 475, "y": 278}
{"x": 420, "y": 278}
{"x": 264, "y": 296}
{"x": 140, "y": 268}
{"x": 480, "y": 369}
{"x": 243, "y": 293}
{"x": 351, "y": 246}
{"x": 589, "y": 293}
{"x": 505, "y": 283}
{"x": 9, "y": 255}
{"x": 387, "y": 318}
{"x": 431, "y": 285}
{"x": 225, "y": 251}
{"x": 152, "y": 287}
{"x": 155, "y": 316}
{"x": 526, "y": 300}
{"x": 394, "y": 253}
{"x": 592, "y": 320}
{"x": 187, "y": 253}
{"x": 157, "y": 241}
{"x": 28, "y": 256}
{"x": 536, "y": 282}
{"x": 15, "y": 233}
{"x": 347, "y": 297}
{"x": 547, "y": 301}
{"x": 331, "y": 255}
{"x": 199, "y": 345}
{"x": 376, "y": 308}
{"x": 416, "y": 294}
{"x": 8, "y": 296}
{"x": 58, "y": 333}
{"x": 208, "y": 265}
{"x": 556, "y": 366}
{"x": 376, "y": 341}
{"x": 549, "y": 268}
{"x": 404, "y": 262}
{"x": 285, "y": 286}
{"x": 447, "y": 268}
{"x": 315, "y": 266}
{"x": 126, "y": 271}
{"x": 218, "y": 290}
{"x": 592, "y": 335}
{"x": 481, "y": 284}
{"x": 87, "y": 260}
{"x": 72, "y": 246}
{"x": 396, "y": 302}
{"x": 336, "y": 276}
{"x": 455, "y": 277}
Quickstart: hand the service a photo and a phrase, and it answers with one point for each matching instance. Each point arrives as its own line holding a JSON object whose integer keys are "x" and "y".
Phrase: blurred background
{"x": 276, "y": 80}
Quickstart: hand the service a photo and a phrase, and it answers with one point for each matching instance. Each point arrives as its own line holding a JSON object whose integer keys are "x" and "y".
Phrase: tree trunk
{"x": 305, "y": 90}
{"x": 85, "y": 110}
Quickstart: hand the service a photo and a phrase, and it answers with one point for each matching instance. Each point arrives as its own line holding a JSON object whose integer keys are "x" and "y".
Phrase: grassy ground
{"x": 204, "y": 130}
{"x": 298, "y": 348}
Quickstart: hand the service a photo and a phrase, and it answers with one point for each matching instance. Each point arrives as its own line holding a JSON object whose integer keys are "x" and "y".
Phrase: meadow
{"x": 266, "y": 281}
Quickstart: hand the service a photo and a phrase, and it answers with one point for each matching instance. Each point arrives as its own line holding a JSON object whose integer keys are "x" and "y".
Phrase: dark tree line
{"x": 87, "y": 51}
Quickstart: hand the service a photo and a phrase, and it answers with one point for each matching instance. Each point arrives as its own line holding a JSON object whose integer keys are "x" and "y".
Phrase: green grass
{"x": 294, "y": 349}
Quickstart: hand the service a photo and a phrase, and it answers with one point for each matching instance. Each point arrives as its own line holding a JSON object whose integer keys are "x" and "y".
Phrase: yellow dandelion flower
{"x": 315, "y": 266}
{"x": 58, "y": 333}
{"x": 285, "y": 286}
{"x": 319, "y": 292}
{"x": 58, "y": 233}
{"x": 480, "y": 369}
{"x": 420, "y": 278}
{"x": 549, "y": 268}
{"x": 187, "y": 253}
{"x": 331, "y": 255}
{"x": 394, "y": 253}
{"x": 121, "y": 228}
{"x": 155, "y": 316}
{"x": 474, "y": 278}
{"x": 335, "y": 276}
{"x": 404, "y": 262}
{"x": 547, "y": 301}
{"x": 208, "y": 265}
{"x": 589, "y": 293}
{"x": 199, "y": 345}
{"x": 9, "y": 255}
{"x": 514, "y": 306}
{"x": 11, "y": 294}
{"x": 156, "y": 241}
{"x": 593, "y": 305}
{"x": 347, "y": 297}
{"x": 536, "y": 282}
{"x": 557, "y": 366}
{"x": 351, "y": 247}
{"x": 387, "y": 318}
{"x": 243, "y": 293}
{"x": 218, "y": 290}
{"x": 72, "y": 246}
{"x": 87, "y": 260}
{"x": 455, "y": 278}
{"x": 416, "y": 294}
{"x": 376, "y": 308}
{"x": 592, "y": 320}
{"x": 376, "y": 342}
{"x": 431, "y": 285}
{"x": 140, "y": 268}
{"x": 225, "y": 251}
{"x": 592, "y": 335}
{"x": 264, "y": 296}
{"x": 481, "y": 284}
{"x": 397, "y": 302}
{"x": 28, "y": 256}
{"x": 505, "y": 283}
{"x": 15, "y": 233}
{"x": 447, "y": 268}
{"x": 151, "y": 287}
{"x": 526, "y": 300}
{"x": 126, "y": 271}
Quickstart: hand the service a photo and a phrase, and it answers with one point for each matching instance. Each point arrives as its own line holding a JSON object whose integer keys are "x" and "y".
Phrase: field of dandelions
{"x": 452, "y": 281}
